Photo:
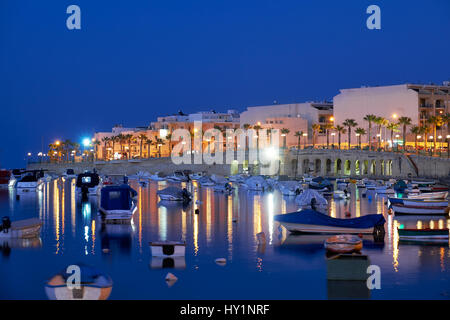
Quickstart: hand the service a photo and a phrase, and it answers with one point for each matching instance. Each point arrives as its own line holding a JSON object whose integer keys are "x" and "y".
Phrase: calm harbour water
{"x": 288, "y": 267}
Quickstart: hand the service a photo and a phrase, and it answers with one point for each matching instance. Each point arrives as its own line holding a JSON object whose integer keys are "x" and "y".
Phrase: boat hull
{"x": 416, "y": 210}
{"x": 310, "y": 228}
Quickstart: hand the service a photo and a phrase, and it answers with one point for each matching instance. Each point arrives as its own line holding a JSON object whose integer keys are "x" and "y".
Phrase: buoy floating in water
{"x": 348, "y": 214}
{"x": 261, "y": 237}
{"x": 221, "y": 261}
{"x": 171, "y": 279}
{"x": 197, "y": 211}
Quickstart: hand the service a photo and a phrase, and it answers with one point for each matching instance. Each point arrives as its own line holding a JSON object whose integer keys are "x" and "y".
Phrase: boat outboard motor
{"x": 313, "y": 204}
{"x": 6, "y": 224}
{"x": 186, "y": 196}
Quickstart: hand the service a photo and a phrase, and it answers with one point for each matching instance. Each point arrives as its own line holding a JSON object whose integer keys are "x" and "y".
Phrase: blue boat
{"x": 312, "y": 221}
{"x": 117, "y": 203}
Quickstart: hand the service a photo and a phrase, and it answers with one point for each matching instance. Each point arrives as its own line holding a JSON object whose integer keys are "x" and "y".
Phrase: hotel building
{"x": 415, "y": 101}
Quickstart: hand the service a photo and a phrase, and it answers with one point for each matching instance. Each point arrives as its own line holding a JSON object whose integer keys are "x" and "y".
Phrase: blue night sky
{"x": 135, "y": 60}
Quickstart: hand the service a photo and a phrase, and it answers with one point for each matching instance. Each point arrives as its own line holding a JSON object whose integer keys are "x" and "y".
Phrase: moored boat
{"x": 27, "y": 228}
{"x": 343, "y": 243}
{"x": 315, "y": 222}
{"x": 423, "y": 235}
{"x": 419, "y": 210}
{"x": 88, "y": 183}
{"x": 94, "y": 284}
{"x": 174, "y": 194}
{"x": 429, "y": 195}
{"x": 117, "y": 204}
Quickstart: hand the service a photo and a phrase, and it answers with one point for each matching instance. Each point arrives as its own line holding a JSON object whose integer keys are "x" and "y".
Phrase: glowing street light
{"x": 57, "y": 142}
{"x": 86, "y": 142}
{"x": 394, "y": 116}
{"x": 332, "y": 119}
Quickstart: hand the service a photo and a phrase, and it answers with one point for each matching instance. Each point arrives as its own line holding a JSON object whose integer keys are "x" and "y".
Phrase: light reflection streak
{"x": 162, "y": 223}
{"x": 230, "y": 226}
{"x": 395, "y": 251}
{"x": 208, "y": 216}
{"x": 56, "y": 214}
{"x": 270, "y": 209}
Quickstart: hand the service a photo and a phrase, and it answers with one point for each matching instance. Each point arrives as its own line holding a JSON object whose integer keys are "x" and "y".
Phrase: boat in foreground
{"x": 94, "y": 285}
{"x": 343, "y": 243}
{"x": 315, "y": 222}
{"x": 429, "y": 195}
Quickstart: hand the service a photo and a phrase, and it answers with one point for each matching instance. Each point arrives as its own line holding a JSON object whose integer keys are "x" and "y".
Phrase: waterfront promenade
{"x": 331, "y": 163}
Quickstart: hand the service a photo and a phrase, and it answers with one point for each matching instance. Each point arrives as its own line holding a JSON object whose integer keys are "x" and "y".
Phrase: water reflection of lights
{"x": 162, "y": 223}
{"x": 270, "y": 210}
{"x": 195, "y": 230}
{"x": 230, "y": 226}
{"x": 73, "y": 206}
{"x": 208, "y": 216}
{"x": 256, "y": 215}
{"x": 56, "y": 214}
{"x": 395, "y": 251}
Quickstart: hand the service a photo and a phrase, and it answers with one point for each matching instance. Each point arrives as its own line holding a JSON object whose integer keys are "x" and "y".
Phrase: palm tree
{"x": 149, "y": 144}
{"x": 360, "y": 132}
{"x": 415, "y": 130}
{"x": 340, "y": 130}
{"x": 393, "y": 127}
{"x": 328, "y": 127}
{"x": 96, "y": 143}
{"x": 284, "y": 133}
{"x": 299, "y": 135}
{"x": 315, "y": 128}
{"x": 128, "y": 139}
{"x": 435, "y": 121}
{"x": 246, "y": 126}
{"x": 105, "y": 141}
{"x": 349, "y": 123}
{"x": 114, "y": 139}
{"x": 379, "y": 122}
{"x": 425, "y": 130}
{"x": 142, "y": 139}
{"x": 169, "y": 141}
{"x": 404, "y": 121}
{"x": 370, "y": 118}
{"x": 158, "y": 143}
{"x": 257, "y": 128}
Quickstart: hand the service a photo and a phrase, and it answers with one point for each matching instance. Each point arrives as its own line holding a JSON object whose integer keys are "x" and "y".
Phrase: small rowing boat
{"x": 93, "y": 285}
{"x": 423, "y": 235}
{"x": 429, "y": 195}
{"x": 315, "y": 222}
{"x": 419, "y": 210}
{"x": 27, "y": 228}
{"x": 343, "y": 243}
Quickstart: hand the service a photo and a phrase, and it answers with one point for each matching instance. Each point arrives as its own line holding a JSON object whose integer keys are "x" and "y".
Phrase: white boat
{"x": 305, "y": 199}
{"x": 168, "y": 248}
{"x": 206, "y": 182}
{"x": 117, "y": 204}
{"x": 174, "y": 194}
{"x": 360, "y": 184}
{"x": 88, "y": 184}
{"x": 384, "y": 190}
{"x": 237, "y": 178}
{"x": 341, "y": 195}
{"x": 94, "y": 285}
{"x": 177, "y": 176}
{"x": 419, "y": 210}
{"x": 424, "y": 203}
{"x": 426, "y": 182}
{"x": 196, "y": 176}
{"x": 27, "y": 228}
{"x": 225, "y": 188}
{"x": 156, "y": 177}
{"x": 256, "y": 183}
{"x": 141, "y": 175}
{"x": 69, "y": 174}
{"x": 30, "y": 181}
{"x": 429, "y": 195}
{"x": 289, "y": 188}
